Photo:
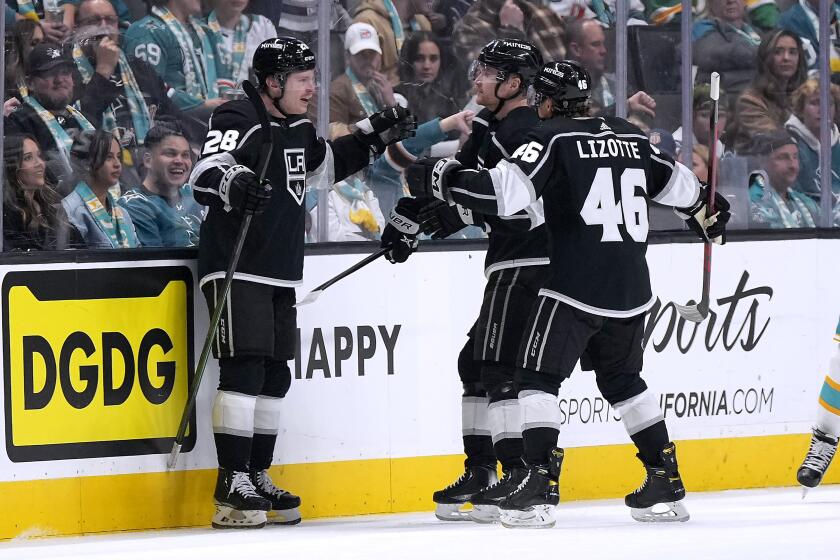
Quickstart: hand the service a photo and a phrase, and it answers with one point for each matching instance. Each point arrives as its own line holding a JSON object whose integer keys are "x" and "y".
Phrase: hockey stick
{"x": 316, "y": 293}
{"x": 698, "y": 313}
{"x": 265, "y": 157}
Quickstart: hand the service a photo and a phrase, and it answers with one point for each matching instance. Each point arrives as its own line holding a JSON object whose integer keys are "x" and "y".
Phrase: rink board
{"x": 372, "y": 421}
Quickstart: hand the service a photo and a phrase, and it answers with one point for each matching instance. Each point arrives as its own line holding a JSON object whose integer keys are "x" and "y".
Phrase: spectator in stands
{"x": 162, "y": 208}
{"x": 663, "y": 141}
{"x": 802, "y": 19}
{"x": 765, "y": 105}
{"x": 124, "y": 94}
{"x": 773, "y": 201}
{"x": 603, "y": 11}
{"x": 363, "y": 88}
{"x": 724, "y": 42}
{"x": 804, "y": 126}
{"x": 431, "y": 91}
{"x": 509, "y": 19}
{"x": 237, "y": 38}
{"x": 699, "y": 161}
{"x": 393, "y": 20}
{"x": 452, "y": 11}
{"x": 33, "y": 218}
{"x": 182, "y": 51}
{"x": 53, "y": 24}
{"x": 91, "y": 207}
{"x": 701, "y": 105}
{"x": 47, "y": 113}
{"x": 71, "y": 12}
{"x": 25, "y": 35}
{"x": 763, "y": 14}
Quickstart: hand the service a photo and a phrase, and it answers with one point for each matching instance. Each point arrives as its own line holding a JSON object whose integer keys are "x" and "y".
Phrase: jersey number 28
{"x": 601, "y": 208}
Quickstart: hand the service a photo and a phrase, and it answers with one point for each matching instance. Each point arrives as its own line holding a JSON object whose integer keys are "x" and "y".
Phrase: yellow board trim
{"x": 95, "y": 504}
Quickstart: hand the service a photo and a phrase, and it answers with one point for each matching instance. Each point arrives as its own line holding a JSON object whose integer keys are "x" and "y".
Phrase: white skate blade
{"x": 228, "y": 518}
{"x": 283, "y": 516}
{"x": 451, "y": 512}
{"x": 805, "y": 490}
{"x": 666, "y": 512}
{"x": 484, "y": 513}
{"x": 536, "y": 517}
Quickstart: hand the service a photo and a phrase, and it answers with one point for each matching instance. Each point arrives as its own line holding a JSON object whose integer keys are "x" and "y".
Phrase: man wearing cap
{"x": 47, "y": 113}
{"x": 702, "y": 113}
{"x": 774, "y": 203}
{"x": 363, "y": 89}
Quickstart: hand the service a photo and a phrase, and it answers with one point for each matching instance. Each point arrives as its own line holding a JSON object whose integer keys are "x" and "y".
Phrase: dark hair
{"x": 159, "y": 132}
{"x": 36, "y": 208}
{"x": 765, "y": 82}
{"x": 17, "y": 51}
{"x": 89, "y": 153}
{"x": 410, "y": 50}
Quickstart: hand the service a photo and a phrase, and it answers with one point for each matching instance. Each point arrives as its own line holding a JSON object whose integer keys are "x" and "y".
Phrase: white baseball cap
{"x": 361, "y": 37}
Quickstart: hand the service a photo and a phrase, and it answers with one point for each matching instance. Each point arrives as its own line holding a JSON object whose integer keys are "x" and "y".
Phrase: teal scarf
{"x": 230, "y": 60}
{"x": 362, "y": 93}
{"x": 114, "y": 226}
{"x": 200, "y": 78}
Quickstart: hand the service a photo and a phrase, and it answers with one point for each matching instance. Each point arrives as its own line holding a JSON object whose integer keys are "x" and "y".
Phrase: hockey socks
{"x": 475, "y": 426}
{"x": 266, "y": 427}
{"x": 233, "y": 429}
{"x": 540, "y": 425}
{"x": 828, "y": 412}
{"x": 505, "y": 422}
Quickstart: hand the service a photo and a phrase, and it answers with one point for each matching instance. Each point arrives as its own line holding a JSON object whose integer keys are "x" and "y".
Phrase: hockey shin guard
{"x": 478, "y": 445}
{"x": 540, "y": 425}
{"x": 266, "y": 427}
{"x": 828, "y": 413}
{"x": 233, "y": 429}
{"x": 645, "y": 425}
{"x": 506, "y": 425}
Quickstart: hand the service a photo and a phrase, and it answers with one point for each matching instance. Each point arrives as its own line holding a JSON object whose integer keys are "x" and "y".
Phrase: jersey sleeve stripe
{"x": 514, "y": 190}
{"x": 323, "y": 177}
{"x": 213, "y": 162}
{"x": 682, "y": 188}
{"x": 499, "y": 145}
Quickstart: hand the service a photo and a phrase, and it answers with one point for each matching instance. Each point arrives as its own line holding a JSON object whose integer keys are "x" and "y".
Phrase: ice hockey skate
{"x": 452, "y": 499}
{"x": 659, "y": 498}
{"x": 238, "y": 505}
{"x": 532, "y": 504}
{"x": 284, "y": 505}
{"x": 816, "y": 462}
{"x": 486, "y": 502}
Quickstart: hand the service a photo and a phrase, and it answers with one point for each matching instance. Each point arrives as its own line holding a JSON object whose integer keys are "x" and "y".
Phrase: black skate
{"x": 817, "y": 460}
{"x": 486, "y": 502}
{"x": 238, "y": 505}
{"x": 659, "y": 497}
{"x": 284, "y": 505}
{"x": 450, "y": 500}
{"x": 532, "y": 503}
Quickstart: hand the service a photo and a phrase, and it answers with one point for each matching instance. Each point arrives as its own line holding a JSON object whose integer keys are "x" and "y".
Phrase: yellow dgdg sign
{"x": 96, "y": 361}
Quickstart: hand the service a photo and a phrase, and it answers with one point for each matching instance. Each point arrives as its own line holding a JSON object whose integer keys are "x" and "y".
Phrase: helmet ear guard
{"x": 567, "y": 83}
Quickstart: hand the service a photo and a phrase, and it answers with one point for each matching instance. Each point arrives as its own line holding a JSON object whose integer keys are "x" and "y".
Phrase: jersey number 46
{"x": 601, "y": 207}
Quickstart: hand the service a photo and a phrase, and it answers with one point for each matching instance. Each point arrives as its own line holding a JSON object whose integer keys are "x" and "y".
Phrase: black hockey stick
{"x": 316, "y": 293}
{"x": 265, "y": 157}
{"x": 698, "y": 313}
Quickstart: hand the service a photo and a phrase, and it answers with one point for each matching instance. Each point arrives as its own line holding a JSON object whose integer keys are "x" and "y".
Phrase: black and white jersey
{"x": 595, "y": 176}
{"x": 273, "y": 251}
{"x": 520, "y": 239}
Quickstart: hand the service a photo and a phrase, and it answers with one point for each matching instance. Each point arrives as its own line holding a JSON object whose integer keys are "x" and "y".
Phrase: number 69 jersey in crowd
{"x": 595, "y": 176}
{"x": 273, "y": 250}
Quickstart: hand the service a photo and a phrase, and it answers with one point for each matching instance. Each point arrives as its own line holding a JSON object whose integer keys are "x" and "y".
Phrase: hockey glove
{"x": 386, "y": 127}
{"x": 401, "y": 232}
{"x": 428, "y": 177}
{"x": 709, "y": 228}
{"x": 241, "y": 189}
{"x": 440, "y": 220}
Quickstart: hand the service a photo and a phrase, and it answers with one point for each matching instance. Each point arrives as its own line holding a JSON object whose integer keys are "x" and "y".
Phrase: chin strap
{"x": 503, "y": 100}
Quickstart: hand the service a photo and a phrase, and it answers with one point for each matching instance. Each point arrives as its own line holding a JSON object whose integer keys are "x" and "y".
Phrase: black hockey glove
{"x": 386, "y": 127}
{"x": 428, "y": 177}
{"x": 709, "y": 228}
{"x": 440, "y": 220}
{"x": 400, "y": 233}
{"x": 241, "y": 189}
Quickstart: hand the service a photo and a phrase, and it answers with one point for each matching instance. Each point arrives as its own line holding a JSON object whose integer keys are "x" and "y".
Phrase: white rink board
{"x": 432, "y": 301}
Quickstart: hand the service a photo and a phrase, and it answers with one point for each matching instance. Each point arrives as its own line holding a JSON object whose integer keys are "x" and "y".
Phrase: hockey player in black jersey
{"x": 515, "y": 268}
{"x": 595, "y": 176}
{"x": 257, "y": 331}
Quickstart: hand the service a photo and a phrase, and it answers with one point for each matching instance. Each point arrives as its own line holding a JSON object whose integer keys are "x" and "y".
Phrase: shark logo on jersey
{"x": 295, "y": 173}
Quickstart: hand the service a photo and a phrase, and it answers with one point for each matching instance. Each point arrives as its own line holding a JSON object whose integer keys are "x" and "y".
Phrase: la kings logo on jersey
{"x": 295, "y": 173}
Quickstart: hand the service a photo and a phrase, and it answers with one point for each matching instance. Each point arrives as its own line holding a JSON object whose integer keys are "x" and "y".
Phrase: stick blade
{"x": 696, "y": 313}
{"x": 310, "y": 298}
{"x": 173, "y": 456}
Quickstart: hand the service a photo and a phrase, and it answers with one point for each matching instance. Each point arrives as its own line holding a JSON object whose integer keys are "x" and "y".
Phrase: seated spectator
{"x": 392, "y": 20}
{"x": 603, "y": 11}
{"x": 774, "y": 203}
{"x": 162, "y": 208}
{"x": 701, "y": 106}
{"x": 237, "y": 38}
{"x": 587, "y": 43}
{"x": 125, "y": 94}
{"x": 47, "y": 113}
{"x": 763, "y": 14}
{"x": 353, "y": 210}
{"x": 700, "y": 161}
{"x": 362, "y": 89}
{"x": 765, "y": 105}
{"x": 71, "y": 12}
{"x": 509, "y": 19}
{"x": 54, "y": 23}
{"x": 804, "y": 126}
{"x": 182, "y": 52}
{"x": 663, "y": 141}
{"x": 802, "y": 19}
{"x": 25, "y": 35}
{"x": 33, "y": 218}
{"x": 91, "y": 207}
{"x": 430, "y": 90}
{"x": 724, "y": 42}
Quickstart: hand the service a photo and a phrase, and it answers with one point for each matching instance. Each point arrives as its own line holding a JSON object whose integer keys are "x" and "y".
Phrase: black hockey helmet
{"x": 281, "y": 56}
{"x": 509, "y": 56}
{"x": 566, "y": 82}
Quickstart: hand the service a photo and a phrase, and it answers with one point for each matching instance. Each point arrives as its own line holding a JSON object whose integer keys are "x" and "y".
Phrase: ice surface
{"x": 773, "y": 523}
